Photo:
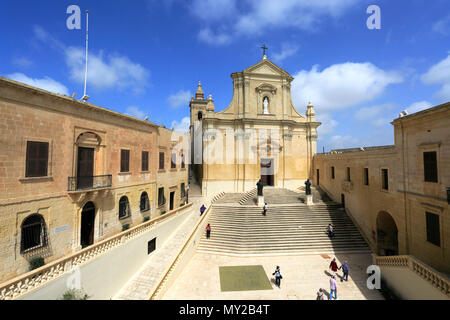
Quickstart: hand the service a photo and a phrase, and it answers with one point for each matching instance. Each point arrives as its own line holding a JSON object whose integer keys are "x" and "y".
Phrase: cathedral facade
{"x": 259, "y": 136}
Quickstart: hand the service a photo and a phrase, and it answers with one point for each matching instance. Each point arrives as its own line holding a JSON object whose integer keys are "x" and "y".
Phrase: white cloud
{"x": 179, "y": 99}
{"x": 136, "y": 112}
{"x": 367, "y": 113}
{"x": 111, "y": 71}
{"x": 287, "y": 50}
{"x": 216, "y": 39}
{"x": 378, "y": 115}
{"x": 106, "y": 72}
{"x": 46, "y": 83}
{"x": 439, "y": 74}
{"x": 328, "y": 124}
{"x": 340, "y": 142}
{"x": 22, "y": 62}
{"x": 213, "y": 9}
{"x": 418, "y": 106}
{"x": 300, "y": 14}
{"x": 251, "y": 17}
{"x": 42, "y": 35}
{"x": 182, "y": 126}
{"x": 341, "y": 85}
{"x": 442, "y": 26}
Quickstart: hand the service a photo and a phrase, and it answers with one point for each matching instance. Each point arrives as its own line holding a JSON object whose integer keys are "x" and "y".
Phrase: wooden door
{"x": 85, "y": 172}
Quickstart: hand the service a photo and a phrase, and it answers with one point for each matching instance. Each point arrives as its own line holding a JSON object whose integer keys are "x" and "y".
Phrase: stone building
{"x": 72, "y": 174}
{"x": 172, "y": 170}
{"x": 398, "y": 195}
{"x": 260, "y": 135}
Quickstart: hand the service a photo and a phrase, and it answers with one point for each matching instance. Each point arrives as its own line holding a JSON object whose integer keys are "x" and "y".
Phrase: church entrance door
{"x": 267, "y": 172}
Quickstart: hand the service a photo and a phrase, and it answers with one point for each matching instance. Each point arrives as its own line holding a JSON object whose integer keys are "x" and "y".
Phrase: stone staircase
{"x": 249, "y": 196}
{"x": 287, "y": 229}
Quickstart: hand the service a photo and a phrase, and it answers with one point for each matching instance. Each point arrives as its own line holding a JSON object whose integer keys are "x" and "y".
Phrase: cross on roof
{"x": 264, "y": 50}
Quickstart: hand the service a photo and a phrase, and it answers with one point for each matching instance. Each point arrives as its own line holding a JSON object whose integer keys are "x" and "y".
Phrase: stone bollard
{"x": 309, "y": 200}
{"x": 261, "y": 201}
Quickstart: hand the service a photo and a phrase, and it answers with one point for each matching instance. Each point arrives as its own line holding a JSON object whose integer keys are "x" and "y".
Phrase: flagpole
{"x": 85, "y": 97}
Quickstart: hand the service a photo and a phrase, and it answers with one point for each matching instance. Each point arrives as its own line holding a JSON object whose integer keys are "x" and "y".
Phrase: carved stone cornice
{"x": 265, "y": 87}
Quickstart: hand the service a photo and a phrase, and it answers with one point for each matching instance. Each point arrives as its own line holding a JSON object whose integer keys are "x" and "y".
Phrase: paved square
{"x": 303, "y": 275}
{"x": 243, "y": 278}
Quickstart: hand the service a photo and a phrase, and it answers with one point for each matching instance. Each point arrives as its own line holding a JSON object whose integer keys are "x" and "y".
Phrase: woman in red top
{"x": 334, "y": 266}
{"x": 208, "y": 231}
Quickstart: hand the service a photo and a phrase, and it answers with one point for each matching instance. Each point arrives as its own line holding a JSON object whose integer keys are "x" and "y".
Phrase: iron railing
{"x": 89, "y": 183}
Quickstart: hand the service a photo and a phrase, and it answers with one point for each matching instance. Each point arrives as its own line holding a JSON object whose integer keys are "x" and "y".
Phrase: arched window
{"x": 33, "y": 233}
{"x": 124, "y": 208}
{"x": 145, "y": 203}
{"x": 200, "y": 116}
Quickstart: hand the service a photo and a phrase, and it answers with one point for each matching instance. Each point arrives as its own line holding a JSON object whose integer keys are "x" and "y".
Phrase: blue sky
{"x": 146, "y": 56}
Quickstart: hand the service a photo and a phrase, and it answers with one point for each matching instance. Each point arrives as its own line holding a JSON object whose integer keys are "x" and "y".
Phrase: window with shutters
{"x": 384, "y": 179}
{"x": 144, "y": 161}
{"x": 37, "y": 159}
{"x": 366, "y": 176}
{"x": 433, "y": 231}
{"x": 124, "y": 160}
{"x": 161, "y": 198}
{"x": 430, "y": 166}
{"x": 173, "y": 161}
{"x": 161, "y": 161}
{"x": 145, "y": 202}
{"x": 183, "y": 190}
{"x": 124, "y": 208}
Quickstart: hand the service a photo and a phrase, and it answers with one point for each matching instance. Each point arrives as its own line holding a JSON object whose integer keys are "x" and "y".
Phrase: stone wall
{"x": 30, "y": 114}
{"x": 408, "y": 197}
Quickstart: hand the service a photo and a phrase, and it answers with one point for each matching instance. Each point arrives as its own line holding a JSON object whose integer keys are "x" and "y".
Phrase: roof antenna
{"x": 85, "y": 96}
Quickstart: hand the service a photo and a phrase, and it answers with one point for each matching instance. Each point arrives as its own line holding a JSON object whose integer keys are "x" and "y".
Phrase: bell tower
{"x": 198, "y": 108}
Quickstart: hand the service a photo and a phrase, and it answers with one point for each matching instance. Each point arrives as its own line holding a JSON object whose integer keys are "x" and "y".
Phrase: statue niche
{"x": 266, "y": 105}
{"x": 266, "y": 93}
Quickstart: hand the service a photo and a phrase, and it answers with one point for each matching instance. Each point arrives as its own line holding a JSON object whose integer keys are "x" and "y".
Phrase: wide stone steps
{"x": 243, "y": 230}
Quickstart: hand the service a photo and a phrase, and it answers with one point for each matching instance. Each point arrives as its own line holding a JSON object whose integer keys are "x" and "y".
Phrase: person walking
{"x": 278, "y": 276}
{"x": 344, "y": 268}
{"x": 320, "y": 295}
{"x": 334, "y": 266}
{"x": 265, "y": 209}
{"x": 208, "y": 231}
{"x": 333, "y": 288}
{"x": 202, "y": 209}
{"x": 330, "y": 231}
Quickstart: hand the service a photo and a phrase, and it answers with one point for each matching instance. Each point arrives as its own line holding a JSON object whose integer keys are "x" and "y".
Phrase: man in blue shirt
{"x": 344, "y": 268}
{"x": 202, "y": 210}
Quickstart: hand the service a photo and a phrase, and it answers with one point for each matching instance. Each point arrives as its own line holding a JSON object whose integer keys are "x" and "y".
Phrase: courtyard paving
{"x": 303, "y": 275}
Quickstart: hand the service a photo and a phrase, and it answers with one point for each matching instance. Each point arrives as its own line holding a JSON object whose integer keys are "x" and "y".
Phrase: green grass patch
{"x": 244, "y": 278}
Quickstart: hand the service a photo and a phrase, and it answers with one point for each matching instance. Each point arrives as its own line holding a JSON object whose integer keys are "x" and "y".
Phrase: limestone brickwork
{"x": 31, "y": 114}
{"x": 229, "y": 147}
{"x": 408, "y": 196}
{"x": 171, "y": 179}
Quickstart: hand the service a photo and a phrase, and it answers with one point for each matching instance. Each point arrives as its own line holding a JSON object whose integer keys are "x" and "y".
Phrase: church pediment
{"x": 267, "y": 67}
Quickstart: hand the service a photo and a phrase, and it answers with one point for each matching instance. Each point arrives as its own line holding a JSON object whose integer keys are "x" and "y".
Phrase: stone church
{"x": 260, "y": 135}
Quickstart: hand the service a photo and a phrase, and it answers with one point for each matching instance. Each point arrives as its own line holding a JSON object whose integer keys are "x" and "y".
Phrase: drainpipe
{"x": 404, "y": 187}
